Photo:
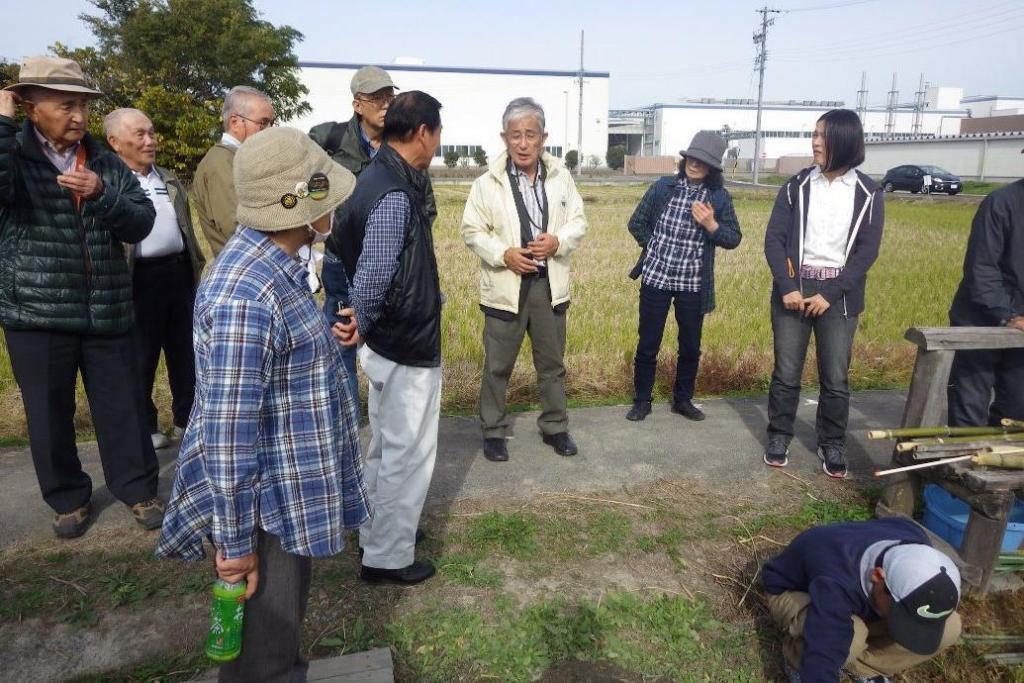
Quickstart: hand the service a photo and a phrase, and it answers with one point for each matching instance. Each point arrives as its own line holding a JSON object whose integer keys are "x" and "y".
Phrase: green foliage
{"x": 176, "y": 59}
{"x": 514, "y": 535}
{"x": 480, "y": 157}
{"x": 451, "y": 158}
{"x": 616, "y": 157}
{"x": 464, "y": 570}
{"x": 8, "y": 72}
{"x": 572, "y": 159}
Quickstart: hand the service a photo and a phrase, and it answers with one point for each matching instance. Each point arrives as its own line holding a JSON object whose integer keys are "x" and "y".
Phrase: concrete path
{"x": 725, "y": 449}
{"x": 371, "y": 666}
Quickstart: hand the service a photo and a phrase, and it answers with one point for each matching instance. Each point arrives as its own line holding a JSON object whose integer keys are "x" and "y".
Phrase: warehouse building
{"x": 473, "y": 101}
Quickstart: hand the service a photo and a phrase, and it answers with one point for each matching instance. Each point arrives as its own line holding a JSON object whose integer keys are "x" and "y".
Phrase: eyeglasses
{"x": 262, "y": 123}
{"x": 377, "y": 99}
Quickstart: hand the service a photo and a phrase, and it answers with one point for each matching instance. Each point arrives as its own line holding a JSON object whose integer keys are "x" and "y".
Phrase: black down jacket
{"x": 62, "y": 269}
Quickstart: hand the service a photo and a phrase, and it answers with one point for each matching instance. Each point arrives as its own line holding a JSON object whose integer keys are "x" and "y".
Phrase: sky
{"x": 655, "y": 51}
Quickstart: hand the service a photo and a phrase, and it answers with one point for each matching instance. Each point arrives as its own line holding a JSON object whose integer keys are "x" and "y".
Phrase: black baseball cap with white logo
{"x": 925, "y": 588}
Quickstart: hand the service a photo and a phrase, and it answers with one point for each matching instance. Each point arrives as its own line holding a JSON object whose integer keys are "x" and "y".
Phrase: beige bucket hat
{"x": 53, "y": 73}
{"x": 283, "y": 180}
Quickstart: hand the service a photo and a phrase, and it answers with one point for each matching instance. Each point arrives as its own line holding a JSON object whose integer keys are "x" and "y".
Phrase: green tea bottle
{"x": 224, "y": 641}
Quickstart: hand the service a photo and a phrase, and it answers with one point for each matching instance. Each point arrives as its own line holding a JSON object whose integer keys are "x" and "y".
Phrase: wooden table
{"x": 989, "y": 493}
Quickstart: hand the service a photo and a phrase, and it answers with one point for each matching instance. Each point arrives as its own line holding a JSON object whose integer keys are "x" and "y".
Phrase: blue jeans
{"x": 833, "y": 341}
{"x": 654, "y": 305}
{"x": 336, "y": 290}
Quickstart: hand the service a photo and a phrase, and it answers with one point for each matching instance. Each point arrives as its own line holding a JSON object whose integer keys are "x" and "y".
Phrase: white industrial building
{"x": 473, "y": 100}
{"x": 982, "y": 106}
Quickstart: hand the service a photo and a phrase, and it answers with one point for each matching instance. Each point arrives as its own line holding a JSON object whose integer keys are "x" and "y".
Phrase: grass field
{"x": 912, "y": 284}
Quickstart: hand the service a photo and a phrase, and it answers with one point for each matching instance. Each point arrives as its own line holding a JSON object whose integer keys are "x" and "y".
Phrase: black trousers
{"x": 272, "y": 625}
{"x": 974, "y": 377}
{"x": 46, "y": 366}
{"x": 654, "y": 305}
{"x": 163, "y": 290}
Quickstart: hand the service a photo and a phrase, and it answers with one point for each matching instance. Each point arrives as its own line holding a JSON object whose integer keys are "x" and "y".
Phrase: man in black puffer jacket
{"x": 66, "y": 206}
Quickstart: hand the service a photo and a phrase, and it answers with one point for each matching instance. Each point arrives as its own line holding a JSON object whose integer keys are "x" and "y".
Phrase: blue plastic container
{"x": 946, "y": 515}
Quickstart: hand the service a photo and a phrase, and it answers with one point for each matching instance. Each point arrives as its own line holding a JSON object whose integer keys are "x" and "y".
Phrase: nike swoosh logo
{"x": 925, "y": 611}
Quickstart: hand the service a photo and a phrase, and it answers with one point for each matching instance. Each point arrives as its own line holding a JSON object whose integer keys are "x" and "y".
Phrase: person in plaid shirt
{"x": 269, "y": 469}
{"x": 678, "y": 223}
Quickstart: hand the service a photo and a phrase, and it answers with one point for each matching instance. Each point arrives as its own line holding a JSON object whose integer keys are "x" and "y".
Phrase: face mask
{"x": 321, "y": 237}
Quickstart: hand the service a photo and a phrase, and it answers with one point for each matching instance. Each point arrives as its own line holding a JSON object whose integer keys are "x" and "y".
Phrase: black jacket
{"x": 62, "y": 269}
{"x": 408, "y": 331}
{"x": 992, "y": 290}
{"x": 783, "y": 241}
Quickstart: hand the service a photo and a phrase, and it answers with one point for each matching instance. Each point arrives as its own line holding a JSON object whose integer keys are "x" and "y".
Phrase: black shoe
{"x": 832, "y": 461}
{"x": 496, "y": 450}
{"x": 639, "y": 411}
{"x": 775, "y": 455}
{"x": 420, "y": 537}
{"x": 688, "y": 410}
{"x": 418, "y": 571}
{"x": 561, "y": 442}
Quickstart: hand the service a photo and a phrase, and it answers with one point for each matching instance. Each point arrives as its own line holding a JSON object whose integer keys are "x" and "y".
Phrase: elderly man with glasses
{"x": 246, "y": 111}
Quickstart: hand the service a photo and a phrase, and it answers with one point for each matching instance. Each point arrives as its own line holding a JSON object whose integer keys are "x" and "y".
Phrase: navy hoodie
{"x": 825, "y": 563}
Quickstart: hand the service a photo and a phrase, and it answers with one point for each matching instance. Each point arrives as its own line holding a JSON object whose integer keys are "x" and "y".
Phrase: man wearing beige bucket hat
{"x": 269, "y": 467}
{"x": 66, "y": 207}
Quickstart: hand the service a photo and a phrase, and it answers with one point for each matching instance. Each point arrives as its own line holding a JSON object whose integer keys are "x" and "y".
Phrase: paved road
{"x": 724, "y": 449}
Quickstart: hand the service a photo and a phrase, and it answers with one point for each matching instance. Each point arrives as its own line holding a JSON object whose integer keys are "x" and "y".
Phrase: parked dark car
{"x": 921, "y": 178}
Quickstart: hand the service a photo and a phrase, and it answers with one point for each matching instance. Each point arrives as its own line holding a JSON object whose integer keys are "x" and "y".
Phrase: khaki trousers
{"x": 502, "y": 339}
{"x": 872, "y": 653}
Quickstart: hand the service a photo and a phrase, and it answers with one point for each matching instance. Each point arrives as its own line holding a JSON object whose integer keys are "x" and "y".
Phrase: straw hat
{"x": 53, "y": 73}
{"x": 283, "y": 180}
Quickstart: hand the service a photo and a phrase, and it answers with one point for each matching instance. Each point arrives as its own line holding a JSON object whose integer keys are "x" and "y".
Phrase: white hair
{"x": 113, "y": 121}
{"x": 237, "y": 102}
{"x": 522, "y": 106}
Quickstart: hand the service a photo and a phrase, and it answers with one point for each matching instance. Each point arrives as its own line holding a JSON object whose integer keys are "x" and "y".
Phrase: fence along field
{"x": 911, "y": 284}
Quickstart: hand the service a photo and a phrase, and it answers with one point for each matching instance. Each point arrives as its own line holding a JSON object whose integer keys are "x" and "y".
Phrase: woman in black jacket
{"x": 822, "y": 237}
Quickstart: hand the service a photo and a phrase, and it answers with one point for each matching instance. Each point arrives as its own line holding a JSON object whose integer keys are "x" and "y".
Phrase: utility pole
{"x": 890, "y": 107}
{"x": 862, "y": 98}
{"x": 761, "y": 40}
{"x": 918, "y": 107}
{"x": 579, "y": 130}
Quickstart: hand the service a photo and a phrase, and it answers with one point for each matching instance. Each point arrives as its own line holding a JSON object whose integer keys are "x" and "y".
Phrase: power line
{"x": 832, "y": 5}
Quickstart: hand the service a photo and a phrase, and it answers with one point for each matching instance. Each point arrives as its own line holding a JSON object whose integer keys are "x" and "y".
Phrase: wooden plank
{"x": 371, "y": 666}
{"x": 983, "y": 538}
{"x": 926, "y": 400}
{"x": 993, "y": 480}
{"x": 965, "y": 338}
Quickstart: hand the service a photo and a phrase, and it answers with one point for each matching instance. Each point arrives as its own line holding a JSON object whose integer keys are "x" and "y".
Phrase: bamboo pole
{"x": 1013, "y": 460}
{"x": 922, "y": 465}
{"x": 925, "y": 432}
{"x": 1012, "y": 437}
{"x": 1012, "y": 424}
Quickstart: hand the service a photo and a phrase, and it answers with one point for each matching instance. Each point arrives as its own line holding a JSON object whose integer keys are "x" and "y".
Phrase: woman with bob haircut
{"x": 678, "y": 223}
{"x": 822, "y": 237}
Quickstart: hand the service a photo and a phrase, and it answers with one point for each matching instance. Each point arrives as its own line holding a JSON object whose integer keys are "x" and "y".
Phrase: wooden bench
{"x": 989, "y": 493}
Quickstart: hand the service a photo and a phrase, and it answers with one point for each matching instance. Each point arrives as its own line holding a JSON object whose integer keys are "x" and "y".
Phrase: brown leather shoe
{"x": 149, "y": 513}
{"x": 72, "y": 524}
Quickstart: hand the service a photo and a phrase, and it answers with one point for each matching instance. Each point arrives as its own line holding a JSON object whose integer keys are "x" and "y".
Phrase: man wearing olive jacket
{"x": 523, "y": 218}
{"x": 66, "y": 207}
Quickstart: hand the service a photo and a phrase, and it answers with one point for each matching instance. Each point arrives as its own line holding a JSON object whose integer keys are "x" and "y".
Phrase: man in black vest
{"x": 387, "y": 248}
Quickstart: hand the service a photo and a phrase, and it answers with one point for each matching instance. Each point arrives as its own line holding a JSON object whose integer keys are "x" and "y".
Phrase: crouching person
{"x": 869, "y": 598}
{"x": 269, "y": 468}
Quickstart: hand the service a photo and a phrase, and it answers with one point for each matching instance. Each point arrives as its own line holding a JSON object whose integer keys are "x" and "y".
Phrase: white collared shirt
{"x": 230, "y": 140}
{"x": 829, "y": 216}
{"x": 64, "y": 161}
{"x": 165, "y": 238}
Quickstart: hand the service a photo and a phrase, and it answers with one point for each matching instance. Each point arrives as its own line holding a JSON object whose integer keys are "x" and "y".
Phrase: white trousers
{"x": 404, "y": 404}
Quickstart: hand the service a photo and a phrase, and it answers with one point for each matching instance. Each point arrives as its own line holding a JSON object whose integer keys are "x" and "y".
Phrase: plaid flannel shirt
{"x": 272, "y": 440}
{"x": 676, "y": 249}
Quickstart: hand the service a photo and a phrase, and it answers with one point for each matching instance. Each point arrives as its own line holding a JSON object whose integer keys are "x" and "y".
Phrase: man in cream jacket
{"x": 523, "y": 218}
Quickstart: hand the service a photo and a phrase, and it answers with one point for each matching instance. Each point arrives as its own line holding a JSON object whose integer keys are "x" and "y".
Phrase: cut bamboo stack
{"x": 1001, "y": 446}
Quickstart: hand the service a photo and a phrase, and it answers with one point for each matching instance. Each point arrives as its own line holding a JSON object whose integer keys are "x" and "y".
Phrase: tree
{"x": 593, "y": 161}
{"x": 480, "y": 156}
{"x": 8, "y": 72}
{"x": 176, "y": 59}
{"x": 572, "y": 159}
{"x": 451, "y": 158}
{"x": 616, "y": 157}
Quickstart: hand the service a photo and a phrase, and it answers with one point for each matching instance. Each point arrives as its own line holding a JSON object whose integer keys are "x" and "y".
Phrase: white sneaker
{"x": 177, "y": 433}
{"x": 160, "y": 440}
